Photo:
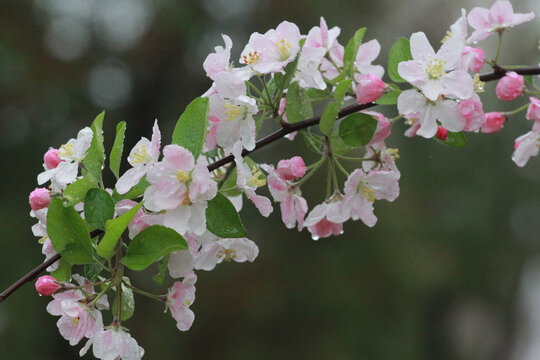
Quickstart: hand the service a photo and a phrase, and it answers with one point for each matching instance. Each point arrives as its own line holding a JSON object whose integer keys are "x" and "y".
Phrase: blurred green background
{"x": 450, "y": 271}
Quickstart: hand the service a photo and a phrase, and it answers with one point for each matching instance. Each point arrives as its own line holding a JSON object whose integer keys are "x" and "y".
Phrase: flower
{"x": 445, "y": 111}
{"x": 498, "y": 18}
{"x": 51, "y": 159}
{"x": 442, "y": 133}
{"x": 214, "y": 252}
{"x": 182, "y": 187}
{"x": 325, "y": 219}
{"x": 143, "y": 155}
{"x": 432, "y": 72}
{"x": 271, "y": 52}
{"x": 533, "y": 112}
{"x": 321, "y": 37}
{"x": 369, "y": 88}
{"x": 510, "y": 86}
{"x": 384, "y": 127}
{"x": 526, "y": 146}
{"x": 307, "y": 72}
{"x": 471, "y": 110}
{"x": 493, "y": 123}
{"x": 219, "y": 60}
{"x": 71, "y": 154}
{"x": 47, "y": 285}
{"x": 367, "y": 53}
{"x": 140, "y": 221}
{"x": 180, "y": 297}
{"x": 248, "y": 178}
{"x": 113, "y": 344}
{"x": 39, "y": 198}
{"x": 472, "y": 59}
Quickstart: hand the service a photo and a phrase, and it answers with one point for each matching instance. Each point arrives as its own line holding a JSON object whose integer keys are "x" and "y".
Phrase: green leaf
{"x": 135, "y": 192}
{"x": 163, "y": 267}
{"x": 390, "y": 98}
{"x": 222, "y": 219}
{"x": 399, "y": 52}
{"x": 113, "y": 230}
{"x": 317, "y": 95}
{"x": 92, "y": 271}
{"x": 351, "y": 50}
{"x": 338, "y": 146}
{"x": 311, "y": 141}
{"x": 150, "y": 245}
{"x": 341, "y": 91}
{"x": 190, "y": 130}
{"x": 68, "y": 233}
{"x": 528, "y": 79}
{"x": 63, "y": 273}
{"x": 290, "y": 70}
{"x": 117, "y": 149}
{"x": 357, "y": 129}
{"x": 454, "y": 139}
{"x": 95, "y": 156}
{"x": 228, "y": 187}
{"x": 298, "y": 106}
{"x": 128, "y": 302}
{"x": 330, "y": 114}
{"x": 98, "y": 208}
{"x": 76, "y": 192}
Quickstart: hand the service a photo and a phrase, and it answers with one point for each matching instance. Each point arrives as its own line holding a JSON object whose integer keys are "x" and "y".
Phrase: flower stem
{"x": 145, "y": 293}
{"x": 519, "y": 109}
{"x": 499, "y": 44}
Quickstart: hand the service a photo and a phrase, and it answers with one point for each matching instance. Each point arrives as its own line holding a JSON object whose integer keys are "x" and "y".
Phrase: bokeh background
{"x": 450, "y": 271}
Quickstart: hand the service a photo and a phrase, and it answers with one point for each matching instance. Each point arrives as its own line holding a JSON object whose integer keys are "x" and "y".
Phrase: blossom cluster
{"x": 180, "y": 210}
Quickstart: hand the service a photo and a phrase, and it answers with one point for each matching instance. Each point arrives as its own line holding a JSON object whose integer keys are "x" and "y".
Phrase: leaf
{"x": 128, "y": 302}
{"x": 151, "y": 244}
{"x": 190, "y": 130}
{"x": 338, "y": 146}
{"x": 351, "y": 50}
{"x": 63, "y": 273}
{"x": 298, "y": 106}
{"x": 317, "y": 95}
{"x": 311, "y": 141}
{"x": 117, "y": 149}
{"x": 390, "y": 98}
{"x": 113, "y": 230}
{"x": 95, "y": 156}
{"x": 222, "y": 219}
{"x": 399, "y": 52}
{"x": 341, "y": 91}
{"x": 163, "y": 266}
{"x": 68, "y": 233}
{"x": 357, "y": 129}
{"x": 228, "y": 187}
{"x": 290, "y": 70}
{"x": 135, "y": 192}
{"x": 528, "y": 79}
{"x": 98, "y": 208}
{"x": 454, "y": 139}
{"x": 330, "y": 114}
{"x": 76, "y": 192}
{"x": 92, "y": 271}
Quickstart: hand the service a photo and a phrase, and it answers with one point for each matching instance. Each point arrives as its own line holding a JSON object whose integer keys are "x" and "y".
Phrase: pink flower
{"x": 39, "y": 198}
{"x": 240, "y": 250}
{"x": 533, "y": 112}
{"x": 321, "y": 37}
{"x": 113, "y": 344}
{"x": 143, "y": 155}
{"x": 271, "y": 52}
{"x": 499, "y": 18}
{"x": 472, "y": 59}
{"x": 47, "y": 285}
{"x": 442, "y": 133}
{"x": 219, "y": 60}
{"x": 471, "y": 110}
{"x": 180, "y": 297}
{"x": 369, "y": 88}
{"x": 433, "y": 73}
{"x": 51, "y": 159}
{"x": 181, "y": 262}
{"x": 325, "y": 219}
{"x": 510, "y": 86}
{"x": 367, "y": 53}
{"x": 292, "y": 168}
{"x": 182, "y": 187}
{"x": 526, "y": 146}
{"x": 384, "y": 158}
{"x": 384, "y": 127}
{"x": 494, "y": 122}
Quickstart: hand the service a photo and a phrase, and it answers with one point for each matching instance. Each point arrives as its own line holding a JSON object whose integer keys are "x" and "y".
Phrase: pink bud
{"x": 370, "y": 87}
{"x": 475, "y": 58}
{"x": 533, "y": 111}
{"x": 494, "y": 122}
{"x": 47, "y": 285}
{"x": 39, "y": 198}
{"x": 51, "y": 159}
{"x": 281, "y": 110}
{"x": 292, "y": 168}
{"x": 442, "y": 133}
{"x": 471, "y": 111}
{"x": 510, "y": 86}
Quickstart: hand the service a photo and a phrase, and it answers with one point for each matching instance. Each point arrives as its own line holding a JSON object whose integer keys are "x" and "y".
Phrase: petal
{"x": 479, "y": 18}
{"x": 421, "y": 49}
{"x": 413, "y": 71}
{"x": 501, "y": 13}
{"x": 428, "y": 123}
{"x": 179, "y": 157}
{"x": 457, "y": 84}
{"x": 130, "y": 179}
{"x": 410, "y": 101}
{"x": 448, "y": 114}
{"x": 367, "y": 52}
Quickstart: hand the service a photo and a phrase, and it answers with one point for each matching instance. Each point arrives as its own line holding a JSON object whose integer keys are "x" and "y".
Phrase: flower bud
{"x": 370, "y": 87}
{"x": 51, "y": 159}
{"x": 292, "y": 168}
{"x": 39, "y": 198}
{"x": 510, "y": 86}
{"x": 494, "y": 122}
{"x": 471, "y": 111}
{"x": 474, "y": 58}
{"x": 47, "y": 285}
{"x": 442, "y": 133}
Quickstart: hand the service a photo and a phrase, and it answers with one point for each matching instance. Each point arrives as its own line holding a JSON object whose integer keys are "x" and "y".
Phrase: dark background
{"x": 450, "y": 271}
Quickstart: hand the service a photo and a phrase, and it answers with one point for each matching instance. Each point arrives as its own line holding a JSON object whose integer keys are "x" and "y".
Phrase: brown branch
{"x": 498, "y": 73}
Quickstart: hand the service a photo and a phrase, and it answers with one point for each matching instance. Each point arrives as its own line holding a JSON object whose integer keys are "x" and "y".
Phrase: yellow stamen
{"x": 227, "y": 254}
{"x": 183, "y": 176}
{"x": 251, "y": 58}
{"x": 394, "y": 153}
{"x": 75, "y": 321}
{"x": 43, "y": 239}
{"x": 369, "y": 193}
{"x": 255, "y": 179}
{"x": 66, "y": 150}
{"x": 140, "y": 156}
{"x": 435, "y": 69}
{"x": 232, "y": 111}
{"x": 447, "y": 37}
{"x": 283, "y": 47}
{"x": 478, "y": 85}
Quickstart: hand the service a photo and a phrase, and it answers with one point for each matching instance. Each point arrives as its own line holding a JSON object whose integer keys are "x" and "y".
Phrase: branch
{"x": 498, "y": 73}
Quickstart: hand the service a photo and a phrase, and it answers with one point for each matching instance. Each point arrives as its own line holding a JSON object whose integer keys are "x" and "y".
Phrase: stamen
{"x": 478, "y": 85}
{"x": 435, "y": 69}
{"x": 283, "y": 47}
{"x": 448, "y": 36}
{"x": 227, "y": 254}
{"x": 393, "y": 152}
{"x": 368, "y": 192}
{"x": 140, "y": 156}
{"x": 251, "y": 58}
